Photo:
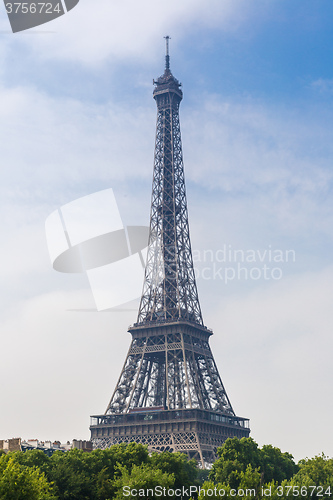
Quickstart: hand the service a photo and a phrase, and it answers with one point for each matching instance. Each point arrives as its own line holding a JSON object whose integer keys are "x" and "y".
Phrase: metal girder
{"x": 169, "y": 291}
{"x": 176, "y": 371}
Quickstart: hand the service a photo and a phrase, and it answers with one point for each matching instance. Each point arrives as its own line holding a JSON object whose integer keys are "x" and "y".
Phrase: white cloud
{"x": 57, "y": 366}
{"x": 245, "y": 144}
{"x": 254, "y": 185}
{"x": 237, "y": 147}
{"x": 273, "y": 347}
{"x": 276, "y": 162}
{"x": 48, "y": 142}
{"x": 94, "y": 32}
{"x": 323, "y": 85}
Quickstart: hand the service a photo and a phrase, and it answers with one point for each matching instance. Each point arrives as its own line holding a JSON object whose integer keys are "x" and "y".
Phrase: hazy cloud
{"x": 274, "y": 348}
{"x": 93, "y": 33}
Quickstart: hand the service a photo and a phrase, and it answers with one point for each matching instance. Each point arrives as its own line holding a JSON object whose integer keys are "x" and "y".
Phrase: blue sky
{"x": 77, "y": 116}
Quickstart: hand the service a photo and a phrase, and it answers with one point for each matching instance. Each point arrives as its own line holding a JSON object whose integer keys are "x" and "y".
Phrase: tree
{"x": 89, "y": 476}
{"x": 71, "y": 475}
{"x": 319, "y": 469}
{"x": 236, "y": 454}
{"x": 136, "y": 481}
{"x": 185, "y": 471}
{"x": 20, "y": 482}
{"x": 33, "y": 458}
{"x": 276, "y": 465}
{"x": 234, "y": 457}
{"x": 318, "y": 472}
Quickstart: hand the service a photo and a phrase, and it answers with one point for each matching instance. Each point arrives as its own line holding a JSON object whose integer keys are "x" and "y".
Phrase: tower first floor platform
{"x": 196, "y": 432}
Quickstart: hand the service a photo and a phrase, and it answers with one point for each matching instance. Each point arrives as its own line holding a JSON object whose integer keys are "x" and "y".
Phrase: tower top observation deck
{"x": 167, "y": 82}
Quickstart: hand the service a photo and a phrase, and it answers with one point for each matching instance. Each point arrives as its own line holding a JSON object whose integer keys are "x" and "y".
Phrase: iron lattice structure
{"x": 169, "y": 395}
{"x": 169, "y": 291}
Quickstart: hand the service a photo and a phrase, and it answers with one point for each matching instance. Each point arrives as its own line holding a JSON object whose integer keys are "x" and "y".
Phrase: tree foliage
{"x": 103, "y": 474}
{"x": 80, "y": 476}
{"x": 318, "y": 470}
{"x": 184, "y": 471}
{"x": 237, "y": 454}
{"x": 21, "y": 482}
{"x": 139, "y": 479}
{"x": 276, "y": 465}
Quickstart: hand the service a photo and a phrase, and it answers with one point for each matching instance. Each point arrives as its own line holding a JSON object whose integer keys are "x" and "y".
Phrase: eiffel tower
{"x": 169, "y": 395}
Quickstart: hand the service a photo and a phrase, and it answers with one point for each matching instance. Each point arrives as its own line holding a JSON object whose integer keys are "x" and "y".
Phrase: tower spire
{"x": 167, "y": 56}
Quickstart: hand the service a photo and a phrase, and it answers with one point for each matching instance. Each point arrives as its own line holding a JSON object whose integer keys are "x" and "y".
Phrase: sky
{"x": 77, "y": 117}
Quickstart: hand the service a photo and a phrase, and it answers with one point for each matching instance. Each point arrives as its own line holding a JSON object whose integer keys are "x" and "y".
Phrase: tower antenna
{"x": 167, "y": 57}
